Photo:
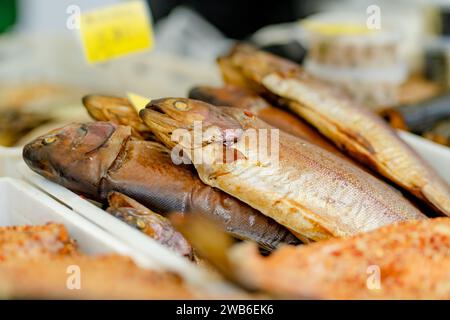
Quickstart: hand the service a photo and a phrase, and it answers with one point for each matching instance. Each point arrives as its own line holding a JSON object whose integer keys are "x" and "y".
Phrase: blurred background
{"x": 385, "y": 54}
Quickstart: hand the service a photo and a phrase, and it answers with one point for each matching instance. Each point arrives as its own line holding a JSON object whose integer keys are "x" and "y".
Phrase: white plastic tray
{"x": 127, "y": 235}
{"x": 23, "y": 204}
{"x": 436, "y": 155}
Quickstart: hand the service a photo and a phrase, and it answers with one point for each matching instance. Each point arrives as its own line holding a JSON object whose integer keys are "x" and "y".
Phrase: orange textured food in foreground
{"x": 413, "y": 260}
{"x": 35, "y": 241}
{"x": 104, "y": 277}
{"x": 43, "y": 262}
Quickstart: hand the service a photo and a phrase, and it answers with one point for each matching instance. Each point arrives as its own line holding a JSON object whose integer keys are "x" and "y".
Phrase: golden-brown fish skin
{"x": 117, "y": 110}
{"x": 155, "y": 181}
{"x": 95, "y": 159}
{"x": 409, "y": 260}
{"x": 310, "y": 191}
{"x": 245, "y": 66}
{"x": 234, "y": 96}
{"x": 354, "y": 129}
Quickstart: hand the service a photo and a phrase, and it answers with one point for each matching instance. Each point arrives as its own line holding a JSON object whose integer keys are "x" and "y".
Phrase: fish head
{"x": 109, "y": 108}
{"x": 77, "y": 155}
{"x": 165, "y": 116}
{"x": 117, "y": 110}
{"x": 254, "y": 65}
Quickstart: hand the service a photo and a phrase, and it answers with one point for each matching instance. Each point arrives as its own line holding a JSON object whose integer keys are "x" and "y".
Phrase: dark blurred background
{"x": 238, "y": 19}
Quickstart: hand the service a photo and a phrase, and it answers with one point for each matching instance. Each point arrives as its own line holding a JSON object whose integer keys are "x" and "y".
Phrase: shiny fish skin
{"x": 117, "y": 110}
{"x": 77, "y": 156}
{"x": 312, "y": 192}
{"x": 239, "y": 97}
{"x": 156, "y": 182}
{"x": 236, "y": 217}
{"x": 95, "y": 159}
{"x": 152, "y": 224}
{"x": 354, "y": 129}
{"x": 234, "y": 96}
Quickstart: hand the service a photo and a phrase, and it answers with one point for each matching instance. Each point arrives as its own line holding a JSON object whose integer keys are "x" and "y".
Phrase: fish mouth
{"x": 36, "y": 153}
{"x": 74, "y": 141}
{"x": 156, "y": 109}
{"x": 160, "y": 123}
{"x": 154, "y": 116}
{"x": 35, "y": 160}
{"x": 215, "y": 125}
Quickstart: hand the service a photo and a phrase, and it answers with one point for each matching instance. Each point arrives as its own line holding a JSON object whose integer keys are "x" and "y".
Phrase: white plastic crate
{"x": 131, "y": 237}
{"x": 22, "y": 204}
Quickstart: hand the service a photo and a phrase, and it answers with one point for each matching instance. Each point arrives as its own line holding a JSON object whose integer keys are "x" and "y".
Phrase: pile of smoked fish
{"x": 345, "y": 200}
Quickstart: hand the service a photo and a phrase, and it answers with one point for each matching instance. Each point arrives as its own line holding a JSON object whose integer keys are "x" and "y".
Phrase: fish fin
{"x": 436, "y": 199}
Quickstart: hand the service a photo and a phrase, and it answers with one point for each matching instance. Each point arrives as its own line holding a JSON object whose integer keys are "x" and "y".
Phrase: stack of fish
{"x": 342, "y": 178}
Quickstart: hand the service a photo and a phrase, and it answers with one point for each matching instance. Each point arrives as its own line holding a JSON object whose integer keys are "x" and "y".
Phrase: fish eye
{"x": 140, "y": 224}
{"x": 181, "y": 105}
{"x": 83, "y": 130}
{"x": 49, "y": 140}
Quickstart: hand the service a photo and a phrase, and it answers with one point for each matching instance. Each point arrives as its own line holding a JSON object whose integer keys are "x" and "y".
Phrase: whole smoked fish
{"x": 353, "y": 128}
{"x": 312, "y": 192}
{"x": 97, "y": 158}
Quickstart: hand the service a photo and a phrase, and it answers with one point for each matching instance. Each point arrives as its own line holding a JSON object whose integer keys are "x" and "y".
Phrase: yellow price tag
{"x": 139, "y": 102}
{"x": 116, "y": 30}
{"x": 336, "y": 29}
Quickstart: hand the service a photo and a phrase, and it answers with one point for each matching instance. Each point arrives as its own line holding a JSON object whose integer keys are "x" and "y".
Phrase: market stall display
{"x": 159, "y": 159}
